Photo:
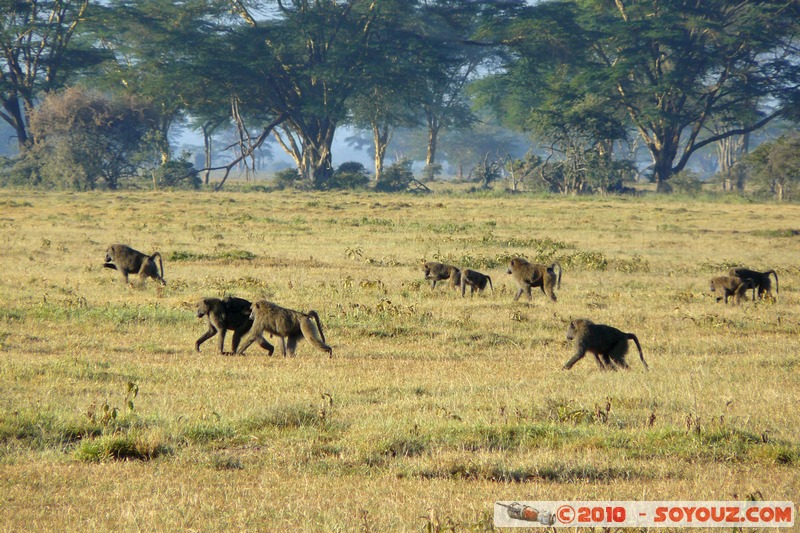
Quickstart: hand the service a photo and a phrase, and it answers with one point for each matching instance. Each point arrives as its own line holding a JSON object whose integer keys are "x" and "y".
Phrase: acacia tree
{"x": 454, "y": 62}
{"x": 672, "y": 66}
{"x": 35, "y": 55}
{"x": 152, "y": 43}
{"x": 84, "y": 137}
{"x": 305, "y": 62}
{"x": 775, "y": 166}
{"x": 542, "y": 90}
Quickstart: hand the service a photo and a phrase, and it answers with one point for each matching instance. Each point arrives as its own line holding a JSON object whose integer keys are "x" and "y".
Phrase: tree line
{"x": 94, "y": 89}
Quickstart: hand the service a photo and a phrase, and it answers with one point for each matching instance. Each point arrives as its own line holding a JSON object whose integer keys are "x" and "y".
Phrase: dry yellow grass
{"x": 433, "y": 406}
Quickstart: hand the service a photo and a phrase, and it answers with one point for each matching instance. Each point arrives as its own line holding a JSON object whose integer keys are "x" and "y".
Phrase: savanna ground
{"x": 433, "y": 406}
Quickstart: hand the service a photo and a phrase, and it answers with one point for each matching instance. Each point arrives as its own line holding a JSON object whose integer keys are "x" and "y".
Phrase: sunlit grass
{"x": 432, "y": 406}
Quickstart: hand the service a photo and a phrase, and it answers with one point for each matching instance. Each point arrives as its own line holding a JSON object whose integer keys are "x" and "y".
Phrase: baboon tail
{"x": 310, "y": 334}
{"x": 314, "y": 314}
{"x": 160, "y": 265}
{"x": 553, "y": 266}
{"x": 776, "y": 279}
{"x": 632, "y": 337}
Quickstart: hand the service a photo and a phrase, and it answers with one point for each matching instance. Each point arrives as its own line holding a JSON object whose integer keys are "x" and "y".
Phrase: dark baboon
{"x": 608, "y": 344}
{"x": 761, "y": 279}
{"x": 475, "y": 280}
{"x": 285, "y": 323}
{"x": 126, "y": 261}
{"x": 439, "y": 272}
{"x": 727, "y": 286}
{"x": 221, "y": 315}
{"x": 529, "y": 275}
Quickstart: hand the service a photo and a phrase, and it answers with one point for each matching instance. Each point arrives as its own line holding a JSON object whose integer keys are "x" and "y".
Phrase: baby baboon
{"x": 761, "y": 279}
{"x": 529, "y": 275}
{"x": 126, "y": 261}
{"x": 221, "y": 315}
{"x": 608, "y": 344}
{"x": 727, "y": 286}
{"x": 439, "y": 271}
{"x": 285, "y": 323}
{"x": 475, "y": 280}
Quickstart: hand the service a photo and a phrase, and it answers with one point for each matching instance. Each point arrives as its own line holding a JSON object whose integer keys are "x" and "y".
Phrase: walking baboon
{"x": 475, "y": 280}
{"x": 528, "y": 275}
{"x": 228, "y": 314}
{"x": 126, "y": 261}
{"x": 439, "y": 271}
{"x": 727, "y": 286}
{"x": 608, "y": 344}
{"x": 285, "y": 323}
{"x": 761, "y": 279}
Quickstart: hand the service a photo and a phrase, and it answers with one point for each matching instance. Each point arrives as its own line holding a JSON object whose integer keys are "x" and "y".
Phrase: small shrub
{"x": 350, "y": 175}
{"x": 288, "y": 178}
{"x": 395, "y": 178}
{"x": 686, "y": 182}
{"x": 176, "y": 174}
{"x": 120, "y": 447}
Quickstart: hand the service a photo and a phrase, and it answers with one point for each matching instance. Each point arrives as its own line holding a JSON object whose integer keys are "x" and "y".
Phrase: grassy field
{"x": 433, "y": 406}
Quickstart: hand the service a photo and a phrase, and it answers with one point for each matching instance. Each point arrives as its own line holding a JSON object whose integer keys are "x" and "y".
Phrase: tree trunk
{"x": 663, "y": 153}
{"x": 207, "y": 153}
{"x": 381, "y": 135}
{"x": 433, "y": 138}
{"x": 14, "y": 112}
{"x": 313, "y": 153}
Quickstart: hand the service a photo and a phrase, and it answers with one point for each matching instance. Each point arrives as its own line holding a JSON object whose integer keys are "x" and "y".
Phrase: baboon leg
{"x": 291, "y": 344}
{"x": 526, "y": 290}
{"x": 602, "y": 361}
{"x": 204, "y": 337}
{"x": 283, "y": 346}
{"x": 549, "y": 292}
{"x": 575, "y": 358}
{"x": 250, "y": 340}
{"x": 267, "y": 346}
{"x": 433, "y": 284}
{"x": 222, "y": 333}
{"x": 259, "y": 338}
{"x": 617, "y": 353}
{"x": 238, "y": 334}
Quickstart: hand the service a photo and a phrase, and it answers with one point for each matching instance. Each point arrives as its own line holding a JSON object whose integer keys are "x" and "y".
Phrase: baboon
{"x": 285, "y": 323}
{"x": 727, "y": 286}
{"x": 761, "y": 279}
{"x": 221, "y": 315}
{"x": 439, "y": 271}
{"x": 529, "y": 275}
{"x": 608, "y": 344}
{"x": 126, "y": 261}
{"x": 475, "y": 280}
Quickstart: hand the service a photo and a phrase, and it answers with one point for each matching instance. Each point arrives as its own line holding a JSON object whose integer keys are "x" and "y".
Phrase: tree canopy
{"x": 578, "y": 76}
{"x": 671, "y": 66}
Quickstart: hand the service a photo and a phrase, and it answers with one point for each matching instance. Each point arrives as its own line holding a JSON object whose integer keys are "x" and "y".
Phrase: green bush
{"x": 288, "y": 178}
{"x": 395, "y": 178}
{"x": 349, "y": 175}
{"x": 686, "y": 182}
{"x": 177, "y": 174}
